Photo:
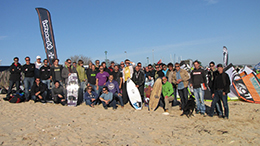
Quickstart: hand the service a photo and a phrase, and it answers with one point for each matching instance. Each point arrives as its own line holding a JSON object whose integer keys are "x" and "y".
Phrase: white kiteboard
{"x": 134, "y": 95}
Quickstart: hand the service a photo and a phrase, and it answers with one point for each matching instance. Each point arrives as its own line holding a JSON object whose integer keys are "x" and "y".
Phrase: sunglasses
{"x": 69, "y": 62}
{"x": 27, "y": 60}
{"x": 156, "y": 67}
{"x": 177, "y": 66}
{"x": 104, "y": 90}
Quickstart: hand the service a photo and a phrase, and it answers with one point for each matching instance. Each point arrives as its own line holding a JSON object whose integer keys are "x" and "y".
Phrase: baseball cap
{"x": 219, "y": 65}
{"x": 38, "y": 57}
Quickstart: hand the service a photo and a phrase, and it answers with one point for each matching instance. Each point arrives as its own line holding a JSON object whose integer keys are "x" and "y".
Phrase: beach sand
{"x": 51, "y": 124}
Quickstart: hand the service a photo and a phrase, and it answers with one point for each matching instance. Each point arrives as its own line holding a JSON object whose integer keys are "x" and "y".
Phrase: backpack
{"x": 15, "y": 99}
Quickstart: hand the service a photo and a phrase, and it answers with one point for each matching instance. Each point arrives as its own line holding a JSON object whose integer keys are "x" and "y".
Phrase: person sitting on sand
{"x": 107, "y": 98}
{"x": 167, "y": 92}
{"x": 113, "y": 87}
{"x": 58, "y": 93}
{"x": 39, "y": 91}
{"x": 90, "y": 97}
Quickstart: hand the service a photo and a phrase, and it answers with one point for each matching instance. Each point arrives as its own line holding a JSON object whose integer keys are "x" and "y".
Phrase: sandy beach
{"x": 49, "y": 124}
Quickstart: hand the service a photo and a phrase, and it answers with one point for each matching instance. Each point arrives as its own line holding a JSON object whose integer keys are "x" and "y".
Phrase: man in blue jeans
{"x": 221, "y": 87}
{"x": 113, "y": 87}
{"x": 198, "y": 80}
{"x": 107, "y": 98}
{"x": 28, "y": 70}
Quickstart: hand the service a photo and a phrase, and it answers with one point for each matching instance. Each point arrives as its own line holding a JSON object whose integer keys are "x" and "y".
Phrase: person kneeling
{"x": 39, "y": 91}
{"x": 107, "y": 99}
{"x": 58, "y": 94}
{"x": 167, "y": 91}
{"x": 90, "y": 97}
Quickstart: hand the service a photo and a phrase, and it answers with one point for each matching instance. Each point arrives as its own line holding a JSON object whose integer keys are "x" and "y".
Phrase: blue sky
{"x": 190, "y": 29}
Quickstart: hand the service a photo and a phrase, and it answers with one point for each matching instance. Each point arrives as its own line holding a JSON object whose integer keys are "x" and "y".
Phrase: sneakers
{"x": 6, "y": 98}
{"x": 166, "y": 112}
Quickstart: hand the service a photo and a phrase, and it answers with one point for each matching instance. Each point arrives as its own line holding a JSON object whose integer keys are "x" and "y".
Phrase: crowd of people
{"x": 99, "y": 84}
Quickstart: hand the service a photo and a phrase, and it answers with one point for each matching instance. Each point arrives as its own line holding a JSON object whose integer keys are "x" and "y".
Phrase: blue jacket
{"x": 87, "y": 96}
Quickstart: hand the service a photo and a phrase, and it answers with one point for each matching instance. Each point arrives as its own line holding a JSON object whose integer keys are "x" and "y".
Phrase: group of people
{"x": 99, "y": 84}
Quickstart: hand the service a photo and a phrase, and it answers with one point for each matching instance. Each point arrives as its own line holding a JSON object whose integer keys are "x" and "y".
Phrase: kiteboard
{"x": 155, "y": 95}
{"x": 134, "y": 94}
{"x": 72, "y": 90}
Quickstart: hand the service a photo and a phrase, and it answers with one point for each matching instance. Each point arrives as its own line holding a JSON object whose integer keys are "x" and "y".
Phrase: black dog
{"x": 189, "y": 107}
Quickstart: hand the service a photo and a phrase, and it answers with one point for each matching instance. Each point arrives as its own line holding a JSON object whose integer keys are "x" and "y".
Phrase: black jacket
{"x": 28, "y": 70}
{"x": 138, "y": 79}
{"x": 35, "y": 88}
{"x": 15, "y": 72}
{"x": 92, "y": 76}
{"x": 45, "y": 72}
{"x": 198, "y": 76}
{"x": 225, "y": 79}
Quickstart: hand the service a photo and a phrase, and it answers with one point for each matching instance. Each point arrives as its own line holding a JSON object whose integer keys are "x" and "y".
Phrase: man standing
{"x": 198, "y": 80}
{"x": 211, "y": 74}
{"x": 138, "y": 79}
{"x": 107, "y": 99}
{"x": 97, "y": 62}
{"x": 158, "y": 72}
{"x": 221, "y": 87}
{"x": 28, "y": 70}
{"x": 113, "y": 87}
{"x": 91, "y": 74}
{"x": 15, "y": 77}
{"x": 38, "y": 65}
{"x": 127, "y": 73}
{"x": 45, "y": 73}
{"x": 112, "y": 66}
{"x": 56, "y": 71}
{"x": 180, "y": 78}
{"x": 168, "y": 93}
{"x": 82, "y": 79}
{"x": 101, "y": 79}
{"x": 38, "y": 91}
{"x": 68, "y": 70}
{"x": 117, "y": 75}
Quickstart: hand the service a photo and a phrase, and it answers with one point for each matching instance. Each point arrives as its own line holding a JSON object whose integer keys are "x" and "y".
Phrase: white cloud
{"x": 211, "y": 2}
{"x": 2, "y": 37}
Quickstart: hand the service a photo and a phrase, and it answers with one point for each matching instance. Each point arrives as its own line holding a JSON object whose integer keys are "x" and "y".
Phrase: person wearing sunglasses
{"x": 107, "y": 98}
{"x": 180, "y": 79}
{"x": 15, "y": 77}
{"x": 39, "y": 91}
{"x": 68, "y": 70}
{"x": 128, "y": 71}
{"x": 197, "y": 81}
{"x": 211, "y": 73}
{"x": 90, "y": 97}
{"x": 101, "y": 79}
{"x": 28, "y": 70}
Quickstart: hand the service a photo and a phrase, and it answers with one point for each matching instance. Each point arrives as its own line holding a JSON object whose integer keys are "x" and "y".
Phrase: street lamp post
{"x": 106, "y": 58}
{"x": 125, "y": 54}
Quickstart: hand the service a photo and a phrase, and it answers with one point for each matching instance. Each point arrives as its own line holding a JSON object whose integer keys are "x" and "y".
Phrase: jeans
{"x": 89, "y": 102}
{"x": 35, "y": 98}
{"x": 119, "y": 98}
{"x": 11, "y": 84}
{"x": 100, "y": 88}
{"x": 47, "y": 83}
{"x": 94, "y": 87}
{"x": 183, "y": 93}
{"x": 199, "y": 96}
{"x": 81, "y": 92}
{"x": 110, "y": 104}
{"x": 28, "y": 82}
{"x": 219, "y": 96}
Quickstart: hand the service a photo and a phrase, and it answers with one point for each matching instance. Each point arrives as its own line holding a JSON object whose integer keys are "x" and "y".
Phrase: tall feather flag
{"x": 47, "y": 33}
{"x": 225, "y": 56}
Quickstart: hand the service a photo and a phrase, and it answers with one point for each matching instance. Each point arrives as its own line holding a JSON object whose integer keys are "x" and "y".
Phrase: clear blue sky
{"x": 190, "y": 29}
